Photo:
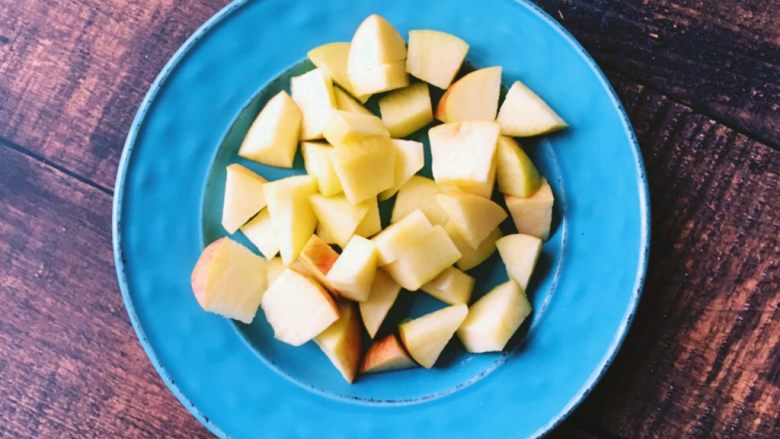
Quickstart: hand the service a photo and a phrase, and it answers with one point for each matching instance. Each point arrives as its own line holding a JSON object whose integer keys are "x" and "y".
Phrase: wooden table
{"x": 699, "y": 78}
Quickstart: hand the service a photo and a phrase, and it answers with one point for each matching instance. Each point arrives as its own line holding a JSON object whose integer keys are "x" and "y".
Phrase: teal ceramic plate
{"x": 235, "y": 378}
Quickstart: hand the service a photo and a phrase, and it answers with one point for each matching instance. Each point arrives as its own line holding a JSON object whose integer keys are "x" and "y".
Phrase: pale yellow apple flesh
{"x": 319, "y": 164}
{"x": 419, "y": 193}
{"x": 406, "y": 110}
{"x": 524, "y": 114}
{"x": 519, "y": 253}
{"x": 353, "y": 272}
{"x": 344, "y": 127}
{"x": 261, "y": 233}
{"x": 244, "y": 197}
{"x": 452, "y": 286}
{"x": 313, "y": 92}
{"x": 533, "y": 215}
{"x": 464, "y": 154}
{"x": 274, "y": 267}
{"x": 272, "y": 138}
{"x": 472, "y": 97}
{"x": 515, "y": 171}
{"x": 341, "y": 342}
{"x": 332, "y": 58}
{"x": 337, "y": 217}
{"x": 474, "y": 217}
{"x": 471, "y": 257}
{"x": 317, "y": 257}
{"x": 365, "y": 168}
{"x": 425, "y": 337}
{"x": 385, "y": 355}
{"x": 384, "y": 292}
{"x": 422, "y": 261}
{"x": 291, "y": 214}
{"x": 298, "y": 308}
{"x": 409, "y": 158}
{"x": 377, "y": 57}
{"x": 380, "y": 79}
{"x": 435, "y": 57}
{"x": 372, "y": 222}
{"x": 393, "y": 241}
{"x": 494, "y": 318}
{"x": 345, "y": 102}
{"x": 229, "y": 280}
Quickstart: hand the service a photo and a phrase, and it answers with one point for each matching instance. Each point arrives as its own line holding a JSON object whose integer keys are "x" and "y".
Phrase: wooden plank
{"x": 722, "y": 57}
{"x": 701, "y": 359}
{"x": 70, "y": 364}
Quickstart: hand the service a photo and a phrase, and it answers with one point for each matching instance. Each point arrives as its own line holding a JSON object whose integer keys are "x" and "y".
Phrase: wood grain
{"x": 722, "y": 58}
{"x": 70, "y": 365}
{"x": 703, "y": 356}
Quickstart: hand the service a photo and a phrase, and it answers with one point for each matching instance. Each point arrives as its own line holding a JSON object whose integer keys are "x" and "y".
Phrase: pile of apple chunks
{"x": 440, "y": 228}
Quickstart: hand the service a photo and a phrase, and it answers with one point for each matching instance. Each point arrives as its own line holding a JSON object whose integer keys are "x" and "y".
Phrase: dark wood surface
{"x": 700, "y": 80}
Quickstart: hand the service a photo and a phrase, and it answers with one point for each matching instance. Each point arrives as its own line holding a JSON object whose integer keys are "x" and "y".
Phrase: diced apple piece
{"x": 406, "y": 110}
{"x": 409, "y": 158}
{"x": 365, "y": 168}
{"x": 298, "y": 308}
{"x": 483, "y": 189}
{"x": 317, "y": 257}
{"x": 273, "y": 136}
{"x": 471, "y": 257}
{"x": 533, "y": 215}
{"x": 380, "y": 78}
{"x": 341, "y": 342}
{"x": 372, "y": 222}
{"x": 243, "y": 197}
{"x": 435, "y": 57}
{"x": 291, "y": 214}
{"x": 464, "y": 155}
{"x": 384, "y": 292}
{"x": 385, "y": 355}
{"x": 313, "y": 92}
{"x": 425, "y": 337}
{"x": 261, "y": 233}
{"x": 338, "y": 217}
{"x": 519, "y": 253}
{"x": 452, "y": 286}
{"x": 322, "y": 233}
{"x": 516, "y": 173}
{"x": 494, "y": 318}
{"x": 319, "y": 164}
{"x": 275, "y": 267}
{"x": 424, "y": 260}
{"x": 345, "y": 127}
{"x": 345, "y": 102}
{"x": 524, "y": 114}
{"x": 419, "y": 193}
{"x": 396, "y": 238}
{"x": 332, "y": 58}
{"x": 354, "y": 270}
{"x": 473, "y": 216}
{"x": 472, "y": 97}
{"x": 229, "y": 280}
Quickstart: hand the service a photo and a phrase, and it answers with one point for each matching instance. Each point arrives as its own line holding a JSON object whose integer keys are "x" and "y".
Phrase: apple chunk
{"x": 317, "y": 257}
{"x": 313, "y": 92}
{"x": 377, "y": 57}
{"x": 385, "y": 355}
{"x": 435, "y": 57}
{"x": 337, "y": 217}
{"x": 393, "y": 241}
{"x": 471, "y": 257}
{"x": 472, "y": 97}
{"x": 273, "y": 136}
{"x": 452, "y": 286}
{"x": 494, "y": 318}
{"x": 379, "y": 79}
{"x": 425, "y": 337}
{"x": 406, "y": 110}
{"x": 261, "y": 233}
{"x": 464, "y": 155}
{"x": 344, "y": 127}
{"x": 291, "y": 214}
{"x": 365, "y": 168}
{"x": 319, "y": 164}
{"x": 298, "y": 308}
{"x": 354, "y": 271}
{"x": 372, "y": 222}
{"x": 409, "y": 158}
{"x": 345, "y": 102}
{"x": 419, "y": 193}
{"x": 422, "y": 261}
{"x": 384, "y": 292}
{"x": 341, "y": 342}
{"x": 524, "y": 114}
{"x": 332, "y": 58}
{"x": 519, "y": 253}
{"x": 229, "y": 280}
{"x": 533, "y": 215}
{"x": 474, "y": 217}
{"x": 243, "y": 197}
{"x": 275, "y": 267}
{"x": 516, "y": 173}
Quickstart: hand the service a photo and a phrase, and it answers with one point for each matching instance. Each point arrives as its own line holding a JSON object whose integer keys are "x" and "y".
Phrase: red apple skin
{"x": 441, "y": 108}
{"x": 318, "y": 257}
{"x": 388, "y": 347}
{"x": 200, "y": 272}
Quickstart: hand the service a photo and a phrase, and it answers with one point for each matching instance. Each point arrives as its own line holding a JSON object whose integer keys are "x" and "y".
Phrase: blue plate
{"x": 235, "y": 378}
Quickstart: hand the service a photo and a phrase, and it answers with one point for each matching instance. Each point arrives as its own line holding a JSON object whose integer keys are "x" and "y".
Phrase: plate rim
{"x": 217, "y": 18}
